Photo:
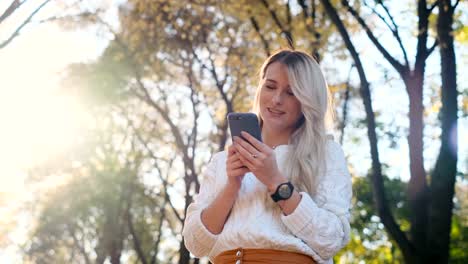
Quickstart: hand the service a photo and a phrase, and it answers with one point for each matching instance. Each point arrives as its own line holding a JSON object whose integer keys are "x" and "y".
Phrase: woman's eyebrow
{"x": 271, "y": 80}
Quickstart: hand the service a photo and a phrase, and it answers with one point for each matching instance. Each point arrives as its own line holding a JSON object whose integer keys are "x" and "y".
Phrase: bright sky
{"x": 37, "y": 122}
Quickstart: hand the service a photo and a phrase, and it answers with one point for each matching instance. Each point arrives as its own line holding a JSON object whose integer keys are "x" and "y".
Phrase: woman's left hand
{"x": 260, "y": 159}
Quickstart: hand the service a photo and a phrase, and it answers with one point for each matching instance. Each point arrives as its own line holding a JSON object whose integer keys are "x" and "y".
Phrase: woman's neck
{"x": 274, "y": 139}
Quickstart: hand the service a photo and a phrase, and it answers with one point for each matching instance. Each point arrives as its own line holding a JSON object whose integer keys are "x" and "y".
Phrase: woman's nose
{"x": 277, "y": 98}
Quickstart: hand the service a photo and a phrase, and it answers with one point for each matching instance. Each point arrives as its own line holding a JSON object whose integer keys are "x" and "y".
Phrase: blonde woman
{"x": 283, "y": 200}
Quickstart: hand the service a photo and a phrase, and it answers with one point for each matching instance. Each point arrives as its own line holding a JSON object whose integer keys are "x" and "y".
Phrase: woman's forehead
{"x": 276, "y": 72}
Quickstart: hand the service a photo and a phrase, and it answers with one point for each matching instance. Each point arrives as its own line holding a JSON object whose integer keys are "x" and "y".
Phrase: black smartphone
{"x": 247, "y": 122}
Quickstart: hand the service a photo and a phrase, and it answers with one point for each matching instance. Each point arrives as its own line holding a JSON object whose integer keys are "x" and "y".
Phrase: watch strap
{"x": 276, "y": 196}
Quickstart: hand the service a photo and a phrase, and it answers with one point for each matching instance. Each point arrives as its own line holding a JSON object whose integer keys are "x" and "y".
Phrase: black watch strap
{"x": 284, "y": 191}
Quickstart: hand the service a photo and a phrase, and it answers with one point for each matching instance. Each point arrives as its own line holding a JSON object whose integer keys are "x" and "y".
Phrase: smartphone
{"x": 247, "y": 122}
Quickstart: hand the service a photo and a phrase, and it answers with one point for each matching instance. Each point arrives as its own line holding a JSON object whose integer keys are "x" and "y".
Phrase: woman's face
{"x": 279, "y": 108}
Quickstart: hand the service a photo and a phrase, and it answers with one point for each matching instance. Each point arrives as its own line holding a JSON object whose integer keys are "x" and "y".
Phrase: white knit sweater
{"x": 319, "y": 226}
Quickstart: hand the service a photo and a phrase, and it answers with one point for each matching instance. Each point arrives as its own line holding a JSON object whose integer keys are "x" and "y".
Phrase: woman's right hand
{"x": 235, "y": 169}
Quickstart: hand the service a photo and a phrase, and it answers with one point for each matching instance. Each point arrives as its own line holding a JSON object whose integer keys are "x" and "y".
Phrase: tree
{"x": 140, "y": 77}
{"x": 85, "y": 219}
{"x": 415, "y": 246}
{"x": 445, "y": 170}
{"x": 423, "y": 205}
{"x": 376, "y": 175}
{"x": 211, "y": 80}
{"x": 369, "y": 240}
{"x": 367, "y": 229}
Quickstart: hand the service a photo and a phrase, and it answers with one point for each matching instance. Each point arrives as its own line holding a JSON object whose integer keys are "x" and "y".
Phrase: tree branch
{"x": 16, "y": 32}
{"x": 454, "y": 6}
{"x": 431, "y": 8}
{"x": 192, "y": 137}
{"x": 397, "y": 65}
{"x": 136, "y": 240}
{"x": 305, "y": 9}
{"x": 284, "y": 31}
{"x": 158, "y": 239}
{"x": 394, "y": 29}
{"x": 288, "y": 14}
{"x": 311, "y": 27}
{"x": 345, "y": 105}
{"x": 423, "y": 24}
{"x": 10, "y": 9}
{"x": 432, "y": 48}
{"x": 266, "y": 45}
{"x": 78, "y": 244}
{"x": 164, "y": 181}
{"x": 220, "y": 86}
{"x": 84, "y": 15}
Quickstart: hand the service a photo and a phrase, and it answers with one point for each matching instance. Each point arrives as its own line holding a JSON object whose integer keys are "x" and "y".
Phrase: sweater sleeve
{"x": 323, "y": 222}
{"x": 197, "y": 238}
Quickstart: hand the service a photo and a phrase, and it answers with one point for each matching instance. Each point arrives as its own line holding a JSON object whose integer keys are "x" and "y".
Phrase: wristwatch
{"x": 283, "y": 192}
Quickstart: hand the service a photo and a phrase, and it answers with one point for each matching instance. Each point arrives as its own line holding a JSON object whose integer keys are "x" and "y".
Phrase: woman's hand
{"x": 260, "y": 159}
{"x": 235, "y": 169}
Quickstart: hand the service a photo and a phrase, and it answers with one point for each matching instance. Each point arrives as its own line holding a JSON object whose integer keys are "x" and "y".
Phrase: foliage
{"x": 368, "y": 238}
{"x": 102, "y": 82}
{"x": 88, "y": 217}
{"x": 370, "y": 242}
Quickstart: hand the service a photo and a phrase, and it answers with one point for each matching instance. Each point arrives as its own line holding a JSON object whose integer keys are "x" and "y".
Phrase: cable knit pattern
{"x": 319, "y": 227}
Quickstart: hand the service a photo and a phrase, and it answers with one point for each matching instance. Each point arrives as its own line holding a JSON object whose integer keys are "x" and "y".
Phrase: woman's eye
{"x": 290, "y": 93}
{"x": 270, "y": 87}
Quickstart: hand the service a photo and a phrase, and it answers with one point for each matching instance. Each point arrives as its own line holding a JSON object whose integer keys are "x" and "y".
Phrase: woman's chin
{"x": 275, "y": 118}
{"x": 274, "y": 124}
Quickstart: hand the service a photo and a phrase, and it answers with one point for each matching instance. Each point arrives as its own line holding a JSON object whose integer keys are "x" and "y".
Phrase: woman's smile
{"x": 275, "y": 112}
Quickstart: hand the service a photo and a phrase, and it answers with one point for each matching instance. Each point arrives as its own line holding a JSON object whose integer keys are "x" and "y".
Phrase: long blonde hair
{"x": 306, "y": 158}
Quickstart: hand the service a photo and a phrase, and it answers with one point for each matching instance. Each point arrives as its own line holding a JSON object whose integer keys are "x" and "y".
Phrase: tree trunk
{"x": 115, "y": 256}
{"x": 417, "y": 186}
{"x": 378, "y": 190}
{"x": 444, "y": 174}
{"x": 223, "y": 128}
{"x": 184, "y": 254}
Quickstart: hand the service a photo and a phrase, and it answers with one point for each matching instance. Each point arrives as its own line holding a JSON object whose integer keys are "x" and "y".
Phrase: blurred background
{"x": 110, "y": 110}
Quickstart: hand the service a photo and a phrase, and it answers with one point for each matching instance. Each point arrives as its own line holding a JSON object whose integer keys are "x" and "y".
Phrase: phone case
{"x": 247, "y": 122}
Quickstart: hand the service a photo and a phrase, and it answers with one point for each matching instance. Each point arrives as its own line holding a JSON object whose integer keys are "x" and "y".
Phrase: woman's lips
{"x": 275, "y": 112}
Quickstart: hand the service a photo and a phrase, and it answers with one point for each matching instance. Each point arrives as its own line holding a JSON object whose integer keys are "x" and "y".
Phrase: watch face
{"x": 284, "y": 191}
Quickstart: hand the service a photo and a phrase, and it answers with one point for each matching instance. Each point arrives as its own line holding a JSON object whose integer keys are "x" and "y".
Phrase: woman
{"x": 283, "y": 200}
